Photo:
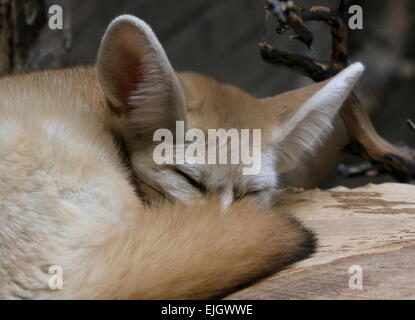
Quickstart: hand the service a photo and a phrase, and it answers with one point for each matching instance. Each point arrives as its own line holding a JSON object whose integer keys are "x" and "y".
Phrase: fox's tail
{"x": 197, "y": 252}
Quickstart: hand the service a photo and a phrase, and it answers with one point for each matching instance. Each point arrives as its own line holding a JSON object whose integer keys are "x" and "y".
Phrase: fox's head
{"x": 146, "y": 95}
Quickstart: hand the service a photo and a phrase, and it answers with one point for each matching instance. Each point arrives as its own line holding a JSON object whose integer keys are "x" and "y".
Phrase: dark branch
{"x": 292, "y": 16}
{"x": 365, "y": 141}
{"x": 314, "y": 69}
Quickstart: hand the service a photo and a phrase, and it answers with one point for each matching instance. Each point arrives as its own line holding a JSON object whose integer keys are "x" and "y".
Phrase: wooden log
{"x": 372, "y": 227}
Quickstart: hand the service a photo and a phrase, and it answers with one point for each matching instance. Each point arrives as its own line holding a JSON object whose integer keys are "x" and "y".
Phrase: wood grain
{"x": 372, "y": 227}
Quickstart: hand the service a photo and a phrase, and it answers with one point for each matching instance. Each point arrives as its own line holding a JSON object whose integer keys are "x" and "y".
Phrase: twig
{"x": 289, "y": 14}
{"x": 295, "y": 17}
{"x": 365, "y": 141}
{"x": 312, "y": 68}
{"x": 411, "y": 124}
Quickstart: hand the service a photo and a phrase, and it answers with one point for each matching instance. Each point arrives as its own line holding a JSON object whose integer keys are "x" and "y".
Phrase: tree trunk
{"x": 26, "y": 42}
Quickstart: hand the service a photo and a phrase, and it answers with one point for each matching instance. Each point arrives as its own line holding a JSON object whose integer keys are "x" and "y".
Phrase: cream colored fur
{"x": 68, "y": 197}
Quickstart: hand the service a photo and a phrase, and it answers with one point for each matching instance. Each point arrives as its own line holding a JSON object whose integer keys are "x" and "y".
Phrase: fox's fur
{"x": 78, "y": 188}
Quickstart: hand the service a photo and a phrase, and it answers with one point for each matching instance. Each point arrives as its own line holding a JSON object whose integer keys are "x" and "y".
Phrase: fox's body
{"x": 70, "y": 198}
{"x": 66, "y": 200}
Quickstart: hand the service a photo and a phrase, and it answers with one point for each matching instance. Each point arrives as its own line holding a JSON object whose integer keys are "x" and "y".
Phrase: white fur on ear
{"x": 311, "y": 124}
{"x": 137, "y": 77}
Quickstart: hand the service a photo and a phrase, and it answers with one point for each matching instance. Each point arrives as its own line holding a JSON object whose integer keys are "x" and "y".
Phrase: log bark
{"x": 372, "y": 227}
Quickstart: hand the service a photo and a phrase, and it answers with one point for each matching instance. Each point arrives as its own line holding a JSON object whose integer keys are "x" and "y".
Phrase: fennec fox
{"x": 68, "y": 198}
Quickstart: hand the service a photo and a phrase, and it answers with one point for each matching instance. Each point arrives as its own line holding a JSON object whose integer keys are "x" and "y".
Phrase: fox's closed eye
{"x": 253, "y": 193}
{"x": 239, "y": 195}
{"x": 196, "y": 184}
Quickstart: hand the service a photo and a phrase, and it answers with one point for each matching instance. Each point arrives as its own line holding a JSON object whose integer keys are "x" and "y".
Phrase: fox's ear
{"x": 306, "y": 116}
{"x": 138, "y": 80}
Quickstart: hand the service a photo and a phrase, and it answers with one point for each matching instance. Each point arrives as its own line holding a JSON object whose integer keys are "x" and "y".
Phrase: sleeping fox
{"x": 79, "y": 187}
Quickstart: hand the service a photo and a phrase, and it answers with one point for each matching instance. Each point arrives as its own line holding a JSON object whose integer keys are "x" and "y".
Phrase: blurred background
{"x": 220, "y": 38}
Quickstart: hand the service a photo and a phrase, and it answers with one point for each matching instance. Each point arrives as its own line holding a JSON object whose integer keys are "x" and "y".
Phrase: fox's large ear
{"x": 137, "y": 78}
{"x": 306, "y": 116}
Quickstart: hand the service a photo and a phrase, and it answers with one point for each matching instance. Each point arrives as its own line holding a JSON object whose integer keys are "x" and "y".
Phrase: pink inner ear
{"x": 126, "y": 85}
{"x": 126, "y": 72}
